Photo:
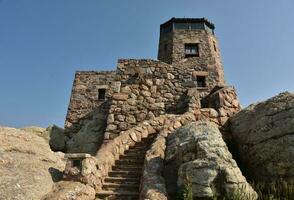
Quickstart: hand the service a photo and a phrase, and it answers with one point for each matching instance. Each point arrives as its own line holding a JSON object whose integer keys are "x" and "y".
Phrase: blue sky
{"x": 43, "y": 43}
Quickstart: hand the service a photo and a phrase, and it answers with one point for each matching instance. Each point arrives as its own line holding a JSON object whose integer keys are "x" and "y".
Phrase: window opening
{"x": 101, "y": 94}
{"x": 191, "y": 50}
{"x": 214, "y": 46}
{"x": 200, "y": 81}
{"x": 76, "y": 163}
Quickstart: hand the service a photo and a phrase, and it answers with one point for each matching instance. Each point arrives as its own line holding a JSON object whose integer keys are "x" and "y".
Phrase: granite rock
{"x": 264, "y": 134}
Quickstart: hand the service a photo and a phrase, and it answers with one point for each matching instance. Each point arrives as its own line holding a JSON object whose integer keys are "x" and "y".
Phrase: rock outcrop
{"x": 57, "y": 139}
{"x": 264, "y": 134}
{"x": 200, "y": 157}
{"x": 28, "y": 168}
{"x": 42, "y": 132}
{"x": 90, "y": 137}
{"x": 66, "y": 190}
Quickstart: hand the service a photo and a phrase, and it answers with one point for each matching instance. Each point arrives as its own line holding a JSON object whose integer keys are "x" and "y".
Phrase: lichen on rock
{"x": 264, "y": 134}
{"x": 199, "y": 155}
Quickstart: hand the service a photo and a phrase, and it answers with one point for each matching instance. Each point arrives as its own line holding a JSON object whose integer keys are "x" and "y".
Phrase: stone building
{"x": 120, "y": 109}
{"x": 189, "y": 62}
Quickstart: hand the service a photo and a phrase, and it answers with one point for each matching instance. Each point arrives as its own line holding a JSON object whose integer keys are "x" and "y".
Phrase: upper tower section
{"x": 191, "y": 43}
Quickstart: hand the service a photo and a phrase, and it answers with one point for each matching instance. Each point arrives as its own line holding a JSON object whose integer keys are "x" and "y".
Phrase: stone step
{"x": 134, "y": 153}
{"x": 122, "y": 180}
{"x": 124, "y": 174}
{"x": 121, "y": 195}
{"x": 120, "y": 187}
{"x": 127, "y": 167}
{"x": 129, "y": 162}
{"x": 140, "y": 150}
{"x": 136, "y": 157}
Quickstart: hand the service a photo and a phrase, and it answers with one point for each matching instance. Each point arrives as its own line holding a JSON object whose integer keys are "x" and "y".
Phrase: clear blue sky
{"x": 43, "y": 43}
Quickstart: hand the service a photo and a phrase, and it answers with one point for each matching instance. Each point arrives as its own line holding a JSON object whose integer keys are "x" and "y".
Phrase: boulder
{"x": 57, "y": 139}
{"x": 264, "y": 134}
{"x": 196, "y": 155}
{"x": 28, "y": 167}
{"x": 90, "y": 137}
{"x": 66, "y": 190}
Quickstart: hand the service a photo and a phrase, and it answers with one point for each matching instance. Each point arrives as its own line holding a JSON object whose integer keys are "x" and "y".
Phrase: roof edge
{"x": 204, "y": 20}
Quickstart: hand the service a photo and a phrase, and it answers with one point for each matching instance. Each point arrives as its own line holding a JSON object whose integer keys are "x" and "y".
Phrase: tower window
{"x": 214, "y": 46}
{"x": 101, "y": 94}
{"x": 191, "y": 50}
{"x": 200, "y": 81}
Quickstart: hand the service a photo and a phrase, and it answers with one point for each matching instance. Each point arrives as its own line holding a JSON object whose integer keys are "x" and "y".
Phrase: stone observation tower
{"x": 114, "y": 111}
{"x": 192, "y": 45}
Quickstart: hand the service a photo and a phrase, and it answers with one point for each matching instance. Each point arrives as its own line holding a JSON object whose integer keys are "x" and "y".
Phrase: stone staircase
{"x": 123, "y": 181}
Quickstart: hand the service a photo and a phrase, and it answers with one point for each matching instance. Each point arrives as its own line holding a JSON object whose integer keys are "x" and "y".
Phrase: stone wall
{"x": 141, "y": 90}
{"x": 165, "y": 48}
{"x": 149, "y": 88}
{"x": 218, "y": 107}
{"x": 84, "y": 97}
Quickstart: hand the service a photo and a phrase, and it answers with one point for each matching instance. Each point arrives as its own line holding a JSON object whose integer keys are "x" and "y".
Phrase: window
{"x": 189, "y": 26}
{"x": 101, "y": 94}
{"x": 191, "y": 50}
{"x": 214, "y": 46}
{"x": 197, "y": 26}
{"x": 182, "y": 26}
{"x": 76, "y": 163}
{"x": 200, "y": 81}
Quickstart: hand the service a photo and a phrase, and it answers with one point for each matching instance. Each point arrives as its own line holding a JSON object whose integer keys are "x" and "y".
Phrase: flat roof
{"x": 188, "y": 20}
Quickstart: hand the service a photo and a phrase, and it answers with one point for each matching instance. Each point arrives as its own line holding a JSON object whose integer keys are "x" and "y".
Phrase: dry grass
{"x": 279, "y": 190}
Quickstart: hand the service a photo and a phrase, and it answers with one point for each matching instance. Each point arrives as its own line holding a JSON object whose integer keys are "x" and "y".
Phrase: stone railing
{"x": 152, "y": 186}
{"x": 152, "y": 182}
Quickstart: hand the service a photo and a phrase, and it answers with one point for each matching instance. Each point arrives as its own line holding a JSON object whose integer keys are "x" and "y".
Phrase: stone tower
{"x": 190, "y": 44}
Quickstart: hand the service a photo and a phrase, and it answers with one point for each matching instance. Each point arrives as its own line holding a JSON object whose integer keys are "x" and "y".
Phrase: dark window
{"x": 197, "y": 26}
{"x": 191, "y": 50}
{"x": 200, "y": 81}
{"x": 182, "y": 26}
{"x": 101, "y": 94}
{"x": 189, "y": 26}
{"x": 214, "y": 46}
{"x": 76, "y": 163}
